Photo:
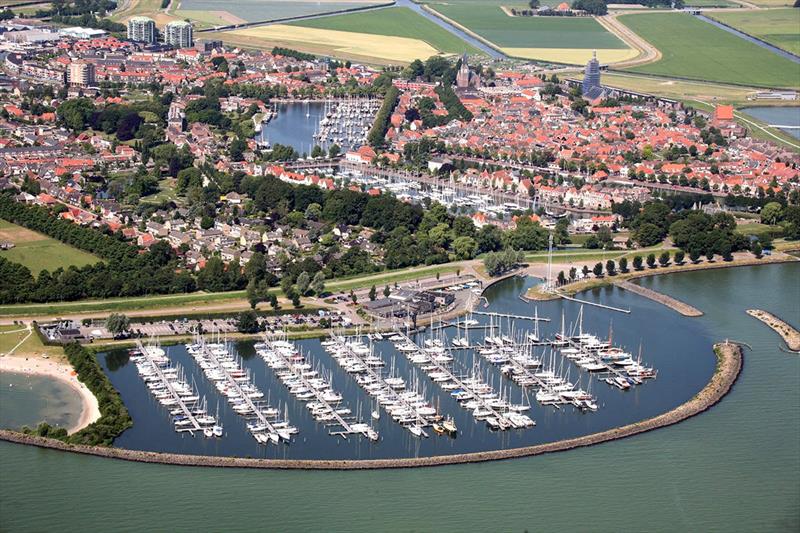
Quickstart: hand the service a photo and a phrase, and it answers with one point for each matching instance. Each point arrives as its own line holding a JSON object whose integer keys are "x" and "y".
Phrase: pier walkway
{"x": 502, "y": 419}
{"x": 347, "y": 429}
{"x": 195, "y": 425}
{"x": 505, "y": 315}
{"x": 386, "y": 389}
{"x": 209, "y": 353}
{"x": 595, "y": 304}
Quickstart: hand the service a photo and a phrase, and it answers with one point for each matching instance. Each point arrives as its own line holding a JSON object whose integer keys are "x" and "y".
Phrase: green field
{"x": 711, "y": 3}
{"x": 780, "y": 27}
{"x": 39, "y": 252}
{"x": 695, "y": 49}
{"x": 491, "y": 23}
{"x": 396, "y": 22}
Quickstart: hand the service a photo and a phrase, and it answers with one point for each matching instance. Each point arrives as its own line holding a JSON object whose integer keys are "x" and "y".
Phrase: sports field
{"x": 695, "y": 49}
{"x": 343, "y": 44}
{"x": 39, "y": 252}
{"x": 396, "y": 22}
{"x": 559, "y": 39}
{"x": 779, "y": 27}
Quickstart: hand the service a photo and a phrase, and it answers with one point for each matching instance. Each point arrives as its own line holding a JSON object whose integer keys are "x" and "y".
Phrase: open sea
{"x": 733, "y": 468}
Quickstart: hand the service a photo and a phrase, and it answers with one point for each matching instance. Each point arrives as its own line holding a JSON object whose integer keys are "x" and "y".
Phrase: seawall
{"x": 673, "y": 303}
{"x": 729, "y": 365}
{"x": 790, "y": 335}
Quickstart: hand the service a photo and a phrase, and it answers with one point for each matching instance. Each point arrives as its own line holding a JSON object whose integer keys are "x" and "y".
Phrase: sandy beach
{"x": 61, "y": 372}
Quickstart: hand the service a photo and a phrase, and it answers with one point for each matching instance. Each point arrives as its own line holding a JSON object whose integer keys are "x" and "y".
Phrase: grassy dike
{"x": 729, "y": 365}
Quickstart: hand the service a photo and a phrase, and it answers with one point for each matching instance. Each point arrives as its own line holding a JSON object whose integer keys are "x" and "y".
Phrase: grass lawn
{"x": 779, "y": 27}
{"x": 394, "y": 21}
{"x": 758, "y": 229}
{"x": 491, "y": 23}
{"x": 166, "y": 193}
{"x": 570, "y": 40}
{"x": 11, "y": 335}
{"x": 679, "y": 89}
{"x": 39, "y": 252}
{"x": 695, "y": 49}
{"x": 196, "y": 301}
{"x": 711, "y": 3}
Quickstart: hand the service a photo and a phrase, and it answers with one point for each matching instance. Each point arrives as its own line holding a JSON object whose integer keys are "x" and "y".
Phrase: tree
{"x": 694, "y": 256}
{"x": 637, "y": 262}
{"x": 756, "y": 248}
{"x": 353, "y": 297}
{"x": 386, "y": 291}
{"x": 334, "y": 151}
{"x": 303, "y": 281}
{"x": 273, "y": 301}
{"x": 648, "y": 234}
{"x": 663, "y": 259}
{"x": 598, "y": 270}
{"x": 678, "y": 258}
{"x": 623, "y": 264}
{"x": 573, "y": 273}
{"x": 247, "y": 322}
{"x": 252, "y": 293}
{"x": 585, "y": 271}
{"x": 610, "y": 268}
{"x": 771, "y": 213}
{"x": 318, "y": 283}
{"x": 710, "y": 254}
{"x": 117, "y": 324}
{"x": 75, "y": 113}
{"x": 534, "y": 4}
{"x": 317, "y": 152}
{"x": 465, "y": 247}
{"x": 295, "y": 299}
{"x": 562, "y": 279}
{"x": 651, "y": 260}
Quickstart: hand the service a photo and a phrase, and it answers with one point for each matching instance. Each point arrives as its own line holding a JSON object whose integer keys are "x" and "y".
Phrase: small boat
{"x": 450, "y": 426}
{"x": 439, "y": 429}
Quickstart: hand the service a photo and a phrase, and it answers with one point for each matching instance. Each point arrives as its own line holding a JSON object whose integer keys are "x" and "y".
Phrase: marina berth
{"x": 168, "y": 386}
{"x": 405, "y": 404}
{"x": 265, "y": 423}
{"x": 309, "y": 385}
{"x": 470, "y": 391}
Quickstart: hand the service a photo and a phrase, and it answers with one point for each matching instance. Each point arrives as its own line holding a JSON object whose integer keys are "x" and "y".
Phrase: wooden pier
{"x": 519, "y": 317}
{"x": 501, "y": 418}
{"x": 347, "y": 429}
{"x": 229, "y": 379}
{"x": 387, "y": 389}
{"x": 186, "y": 411}
{"x": 595, "y": 304}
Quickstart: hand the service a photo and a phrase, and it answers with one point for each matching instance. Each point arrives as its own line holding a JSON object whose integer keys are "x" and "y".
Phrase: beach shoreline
{"x": 90, "y": 410}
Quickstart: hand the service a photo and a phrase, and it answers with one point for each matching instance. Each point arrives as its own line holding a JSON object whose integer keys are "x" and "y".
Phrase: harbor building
{"x": 80, "y": 74}
{"x": 179, "y": 34}
{"x": 142, "y": 29}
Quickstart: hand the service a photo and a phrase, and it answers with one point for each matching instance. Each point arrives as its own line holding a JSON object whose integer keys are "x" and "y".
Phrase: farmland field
{"x": 780, "y": 27}
{"x": 559, "y": 39}
{"x": 39, "y": 252}
{"x": 695, "y": 49}
{"x": 255, "y": 10}
{"x": 342, "y": 44}
{"x": 395, "y": 21}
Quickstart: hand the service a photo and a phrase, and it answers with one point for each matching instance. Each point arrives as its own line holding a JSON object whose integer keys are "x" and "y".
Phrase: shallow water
{"x": 29, "y": 400}
{"x": 733, "y": 468}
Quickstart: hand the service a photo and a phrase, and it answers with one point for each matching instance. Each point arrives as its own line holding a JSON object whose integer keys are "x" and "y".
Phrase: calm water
{"x": 685, "y": 364}
{"x": 294, "y": 125}
{"x": 782, "y": 116}
{"x": 30, "y": 400}
{"x": 735, "y": 468}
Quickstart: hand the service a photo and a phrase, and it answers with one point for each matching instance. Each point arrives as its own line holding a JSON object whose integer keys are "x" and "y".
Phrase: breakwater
{"x": 729, "y": 365}
{"x": 785, "y": 330}
{"x": 673, "y": 303}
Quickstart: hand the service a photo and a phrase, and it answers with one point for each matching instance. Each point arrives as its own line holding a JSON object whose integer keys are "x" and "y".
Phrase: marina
{"x": 246, "y": 400}
{"x": 403, "y": 400}
{"x": 471, "y": 391}
{"x": 307, "y": 385}
{"x": 303, "y": 124}
{"x": 407, "y": 407}
{"x": 168, "y": 386}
